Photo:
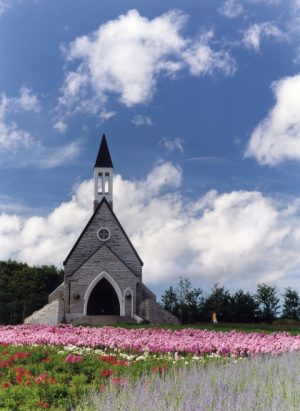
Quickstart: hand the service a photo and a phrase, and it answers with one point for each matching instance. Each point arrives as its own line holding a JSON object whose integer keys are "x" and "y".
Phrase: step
{"x": 102, "y": 320}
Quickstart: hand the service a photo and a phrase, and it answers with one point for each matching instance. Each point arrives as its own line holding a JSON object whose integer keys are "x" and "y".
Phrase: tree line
{"x": 25, "y": 289}
{"x": 191, "y": 304}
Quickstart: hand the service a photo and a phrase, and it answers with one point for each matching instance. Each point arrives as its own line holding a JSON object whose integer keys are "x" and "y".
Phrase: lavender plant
{"x": 255, "y": 384}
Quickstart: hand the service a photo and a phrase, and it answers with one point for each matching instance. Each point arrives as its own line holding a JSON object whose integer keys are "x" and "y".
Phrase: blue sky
{"x": 200, "y": 104}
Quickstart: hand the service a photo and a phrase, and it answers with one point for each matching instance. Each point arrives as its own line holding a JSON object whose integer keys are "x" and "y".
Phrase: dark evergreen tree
{"x": 266, "y": 297}
{"x": 291, "y": 304}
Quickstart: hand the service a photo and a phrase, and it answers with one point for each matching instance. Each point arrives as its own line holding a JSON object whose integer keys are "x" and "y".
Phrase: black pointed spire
{"x": 103, "y": 158}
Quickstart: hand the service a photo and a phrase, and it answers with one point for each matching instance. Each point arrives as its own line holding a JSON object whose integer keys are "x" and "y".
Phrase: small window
{"x": 103, "y": 234}
{"x": 106, "y": 183}
{"x": 100, "y": 183}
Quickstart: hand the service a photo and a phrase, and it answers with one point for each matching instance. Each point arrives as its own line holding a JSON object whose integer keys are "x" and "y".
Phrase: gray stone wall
{"x": 102, "y": 261}
{"x": 153, "y": 312}
{"x": 90, "y": 242}
{"x": 50, "y": 314}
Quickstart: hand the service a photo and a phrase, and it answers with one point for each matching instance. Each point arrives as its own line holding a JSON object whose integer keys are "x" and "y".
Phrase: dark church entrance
{"x": 103, "y": 300}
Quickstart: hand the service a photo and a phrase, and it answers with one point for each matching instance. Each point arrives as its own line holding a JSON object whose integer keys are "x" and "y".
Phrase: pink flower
{"x": 72, "y": 358}
{"x": 119, "y": 381}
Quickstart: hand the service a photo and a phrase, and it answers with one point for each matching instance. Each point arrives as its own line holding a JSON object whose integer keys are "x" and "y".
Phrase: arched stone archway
{"x": 103, "y": 300}
{"x": 103, "y": 297}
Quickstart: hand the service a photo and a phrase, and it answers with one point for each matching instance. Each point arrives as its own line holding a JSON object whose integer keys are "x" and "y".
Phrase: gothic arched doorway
{"x": 103, "y": 300}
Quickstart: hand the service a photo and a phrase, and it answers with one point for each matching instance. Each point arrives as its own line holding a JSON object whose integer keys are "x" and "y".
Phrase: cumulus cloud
{"x": 238, "y": 238}
{"x": 256, "y": 32}
{"x": 126, "y": 56}
{"x": 139, "y": 120}
{"x": 277, "y": 137}
{"x": 172, "y": 144}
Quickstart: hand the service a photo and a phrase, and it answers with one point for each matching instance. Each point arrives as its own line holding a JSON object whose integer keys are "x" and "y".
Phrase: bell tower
{"x": 103, "y": 175}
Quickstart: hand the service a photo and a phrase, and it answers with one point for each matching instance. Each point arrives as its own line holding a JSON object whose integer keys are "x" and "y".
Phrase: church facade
{"x": 103, "y": 271}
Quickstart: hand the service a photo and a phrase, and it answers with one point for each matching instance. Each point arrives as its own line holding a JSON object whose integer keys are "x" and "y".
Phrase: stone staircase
{"x": 102, "y": 320}
{"x": 50, "y": 314}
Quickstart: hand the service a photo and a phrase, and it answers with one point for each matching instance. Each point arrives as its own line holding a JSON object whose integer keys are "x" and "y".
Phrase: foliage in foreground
{"x": 57, "y": 378}
{"x": 256, "y": 384}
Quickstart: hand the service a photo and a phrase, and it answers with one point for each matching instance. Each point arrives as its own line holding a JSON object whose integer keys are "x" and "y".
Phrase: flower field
{"x": 57, "y": 367}
{"x": 256, "y": 384}
{"x": 189, "y": 341}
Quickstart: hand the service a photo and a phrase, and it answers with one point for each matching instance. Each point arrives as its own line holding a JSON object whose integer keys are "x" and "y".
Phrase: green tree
{"x": 244, "y": 307}
{"x": 266, "y": 297}
{"x": 24, "y": 289}
{"x": 169, "y": 301}
{"x": 184, "y": 301}
{"x": 220, "y": 302}
{"x": 291, "y": 304}
{"x": 190, "y": 301}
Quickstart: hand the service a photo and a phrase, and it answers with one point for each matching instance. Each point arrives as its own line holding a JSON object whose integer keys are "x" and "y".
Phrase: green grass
{"x": 279, "y": 325}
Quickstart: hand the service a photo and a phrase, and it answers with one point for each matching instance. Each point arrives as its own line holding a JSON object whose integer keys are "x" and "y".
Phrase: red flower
{"x": 106, "y": 373}
{"x": 19, "y": 378}
{"x": 44, "y": 379}
{"x": 6, "y": 385}
{"x": 47, "y": 359}
{"x": 22, "y": 355}
{"x": 42, "y": 404}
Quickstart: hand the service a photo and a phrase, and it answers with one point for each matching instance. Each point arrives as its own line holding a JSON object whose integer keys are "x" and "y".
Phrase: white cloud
{"x": 203, "y": 60}
{"x": 60, "y": 126}
{"x": 235, "y": 8}
{"x": 139, "y": 120}
{"x": 4, "y": 5}
{"x": 106, "y": 115}
{"x": 11, "y": 137}
{"x": 27, "y": 100}
{"x": 253, "y": 36}
{"x": 25, "y": 149}
{"x": 277, "y": 137}
{"x": 231, "y": 8}
{"x": 238, "y": 238}
{"x": 50, "y": 157}
{"x": 172, "y": 144}
{"x": 126, "y": 56}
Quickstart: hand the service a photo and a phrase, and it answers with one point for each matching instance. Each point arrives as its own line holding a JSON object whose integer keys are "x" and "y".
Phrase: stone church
{"x": 103, "y": 271}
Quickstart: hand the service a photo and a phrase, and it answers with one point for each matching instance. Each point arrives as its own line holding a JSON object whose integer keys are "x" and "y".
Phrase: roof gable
{"x": 91, "y": 245}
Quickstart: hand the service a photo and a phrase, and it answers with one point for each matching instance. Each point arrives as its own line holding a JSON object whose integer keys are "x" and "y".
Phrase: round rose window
{"x": 103, "y": 234}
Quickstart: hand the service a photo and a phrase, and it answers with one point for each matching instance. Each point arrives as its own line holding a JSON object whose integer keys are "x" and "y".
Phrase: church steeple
{"x": 103, "y": 158}
{"x": 103, "y": 175}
